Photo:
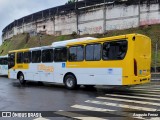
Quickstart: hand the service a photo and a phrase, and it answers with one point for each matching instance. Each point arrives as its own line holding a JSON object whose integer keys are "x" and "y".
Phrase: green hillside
{"x": 25, "y": 41}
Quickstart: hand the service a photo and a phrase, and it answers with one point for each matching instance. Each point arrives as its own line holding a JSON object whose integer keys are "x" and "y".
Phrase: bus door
{"x": 60, "y": 58}
{"x": 46, "y": 67}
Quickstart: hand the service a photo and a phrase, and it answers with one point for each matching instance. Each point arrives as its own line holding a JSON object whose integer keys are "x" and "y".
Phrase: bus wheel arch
{"x": 70, "y": 81}
{"x": 20, "y": 77}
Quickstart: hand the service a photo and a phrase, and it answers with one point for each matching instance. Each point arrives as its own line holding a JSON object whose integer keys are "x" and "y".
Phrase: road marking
{"x": 80, "y": 116}
{"x": 121, "y": 105}
{"x": 147, "y": 87}
{"x": 146, "y": 90}
{"x": 90, "y": 108}
{"x": 127, "y": 96}
{"x": 89, "y": 118}
{"x": 156, "y": 93}
{"x": 131, "y": 101}
{"x": 41, "y": 118}
{"x": 155, "y": 118}
{"x": 104, "y": 110}
{"x": 145, "y": 95}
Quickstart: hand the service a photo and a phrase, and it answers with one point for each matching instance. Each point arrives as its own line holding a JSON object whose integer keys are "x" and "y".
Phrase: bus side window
{"x": 93, "y": 52}
{"x": 11, "y": 60}
{"x": 20, "y": 57}
{"x": 27, "y": 57}
{"x": 76, "y": 53}
{"x": 36, "y": 56}
{"x": 60, "y": 54}
{"x": 47, "y": 55}
{"x": 115, "y": 50}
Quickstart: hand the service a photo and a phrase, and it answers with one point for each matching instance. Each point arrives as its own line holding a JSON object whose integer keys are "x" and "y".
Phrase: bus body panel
{"x": 4, "y": 65}
{"x": 142, "y": 57}
{"x": 142, "y": 54}
{"x": 3, "y": 69}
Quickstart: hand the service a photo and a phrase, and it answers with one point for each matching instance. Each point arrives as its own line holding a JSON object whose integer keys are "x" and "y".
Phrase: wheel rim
{"x": 21, "y": 78}
{"x": 69, "y": 82}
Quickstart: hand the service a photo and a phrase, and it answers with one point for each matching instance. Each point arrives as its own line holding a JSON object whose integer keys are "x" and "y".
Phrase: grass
{"x": 25, "y": 41}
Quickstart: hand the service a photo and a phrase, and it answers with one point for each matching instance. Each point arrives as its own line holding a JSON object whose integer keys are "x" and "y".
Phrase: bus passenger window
{"x": 93, "y": 52}
{"x": 27, "y": 57}
{"x": 76, "y": 53}
{"x": 60, "y": 54}
{"x": 11, "y": 60}
{"x": 36, "y": 56}
{"x": 20, "y": 57}
{"x": 47, "y": 55}
{"x": 115, "y": 50}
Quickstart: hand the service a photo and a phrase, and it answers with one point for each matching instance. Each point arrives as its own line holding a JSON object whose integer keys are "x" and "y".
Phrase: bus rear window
{"x": 3, "y": 61}
{"x": 11, "y": 60}
{"x": 115, "y": 50}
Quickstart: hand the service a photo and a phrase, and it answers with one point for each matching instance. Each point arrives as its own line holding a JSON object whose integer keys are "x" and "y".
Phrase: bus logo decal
{"x": 110, "y": 71}
{"x": 45, "y": 68}
{"x": 63, "y": 65}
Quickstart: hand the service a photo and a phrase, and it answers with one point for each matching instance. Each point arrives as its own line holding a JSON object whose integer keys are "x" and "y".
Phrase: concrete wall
{"x": 92, "y": 20}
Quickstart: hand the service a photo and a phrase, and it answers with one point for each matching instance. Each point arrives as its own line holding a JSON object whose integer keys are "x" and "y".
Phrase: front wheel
{"x": 70, "y": 82}
{"x": 21, "y": 79}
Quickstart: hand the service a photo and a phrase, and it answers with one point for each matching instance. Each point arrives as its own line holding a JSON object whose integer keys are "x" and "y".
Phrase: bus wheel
{"x": 21, "y": 79}
{"x": 70, "y": 82}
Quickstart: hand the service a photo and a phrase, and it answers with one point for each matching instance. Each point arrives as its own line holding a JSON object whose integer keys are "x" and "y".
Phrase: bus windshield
{"x": 11, "y": 60}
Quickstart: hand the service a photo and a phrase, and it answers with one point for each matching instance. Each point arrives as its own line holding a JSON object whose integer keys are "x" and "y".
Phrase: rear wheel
{"x": 21, "y": 79}
{"x": 70, "y": 82}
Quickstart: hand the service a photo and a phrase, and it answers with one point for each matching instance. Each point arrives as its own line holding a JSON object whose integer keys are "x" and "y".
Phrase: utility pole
{"x": 39, "y": 38}
{"x": 156, "y": 54}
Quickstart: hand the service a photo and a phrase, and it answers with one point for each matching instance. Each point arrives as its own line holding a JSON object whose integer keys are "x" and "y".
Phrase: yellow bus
{"x": 119, "y": 60}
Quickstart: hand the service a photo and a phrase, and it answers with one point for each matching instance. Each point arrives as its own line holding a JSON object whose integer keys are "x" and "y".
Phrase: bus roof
{"x": 64, "y": 43}
{"x": 4, "y": 56}
{"x": 28, "y": 49}
{"x": 119, "y": 37}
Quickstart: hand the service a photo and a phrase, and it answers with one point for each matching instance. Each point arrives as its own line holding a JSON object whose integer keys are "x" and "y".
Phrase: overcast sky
{"x": 11, "y": 10}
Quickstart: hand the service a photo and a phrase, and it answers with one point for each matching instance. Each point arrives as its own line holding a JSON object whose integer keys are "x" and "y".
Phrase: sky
{"x": 11, "y": 10}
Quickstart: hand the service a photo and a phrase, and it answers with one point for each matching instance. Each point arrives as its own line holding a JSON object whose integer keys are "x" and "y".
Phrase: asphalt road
{"x": 86, "y": 104}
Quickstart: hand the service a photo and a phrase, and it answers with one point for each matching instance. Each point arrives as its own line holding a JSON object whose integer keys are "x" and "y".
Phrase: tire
{"x": 21, "y": 79}
{"x": 70, "y": 82}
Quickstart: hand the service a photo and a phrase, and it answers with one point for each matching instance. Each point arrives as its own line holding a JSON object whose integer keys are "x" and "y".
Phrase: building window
{"x": 44, "y": 27}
